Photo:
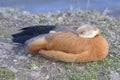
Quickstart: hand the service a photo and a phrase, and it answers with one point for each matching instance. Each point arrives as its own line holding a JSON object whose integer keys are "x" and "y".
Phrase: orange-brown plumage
{"x": 70, "y": 47}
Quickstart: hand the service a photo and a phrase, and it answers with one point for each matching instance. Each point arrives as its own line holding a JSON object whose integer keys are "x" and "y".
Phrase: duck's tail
{"x": 30, "y": 32}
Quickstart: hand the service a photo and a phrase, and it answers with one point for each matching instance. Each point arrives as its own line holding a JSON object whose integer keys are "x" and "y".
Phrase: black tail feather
{"x": 22, "y": 39}
{"x": 30, "y": 32}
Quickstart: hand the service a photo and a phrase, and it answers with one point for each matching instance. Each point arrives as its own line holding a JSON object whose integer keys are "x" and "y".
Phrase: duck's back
{"x": 67, "y": 42}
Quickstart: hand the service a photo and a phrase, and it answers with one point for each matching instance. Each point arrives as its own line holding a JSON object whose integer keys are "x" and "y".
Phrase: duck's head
{"x": 87, "y": 31}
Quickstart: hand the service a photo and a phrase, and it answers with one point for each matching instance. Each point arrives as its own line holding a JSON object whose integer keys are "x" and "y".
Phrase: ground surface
{"x": 17, "y": 64}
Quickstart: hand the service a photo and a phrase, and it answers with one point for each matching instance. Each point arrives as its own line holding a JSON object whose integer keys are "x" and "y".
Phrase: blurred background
{"x": 112, "y": 7}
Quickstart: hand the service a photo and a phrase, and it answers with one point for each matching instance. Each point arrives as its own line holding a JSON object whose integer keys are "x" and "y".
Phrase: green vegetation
{"x": 34, "y": 65}
{"x": 1, "y": 30}
{"x": 94, "y": 70}
{"x": 6, "y": 74}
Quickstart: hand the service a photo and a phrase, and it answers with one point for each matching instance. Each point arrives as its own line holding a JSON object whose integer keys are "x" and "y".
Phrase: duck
{"x": 81, "y": 45}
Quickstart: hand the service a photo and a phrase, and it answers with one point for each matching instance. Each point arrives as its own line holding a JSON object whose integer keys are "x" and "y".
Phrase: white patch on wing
{"x": 52, "y": 31}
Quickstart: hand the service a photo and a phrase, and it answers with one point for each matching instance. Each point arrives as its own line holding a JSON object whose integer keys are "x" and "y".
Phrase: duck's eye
{"x": 82, "y": 32}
